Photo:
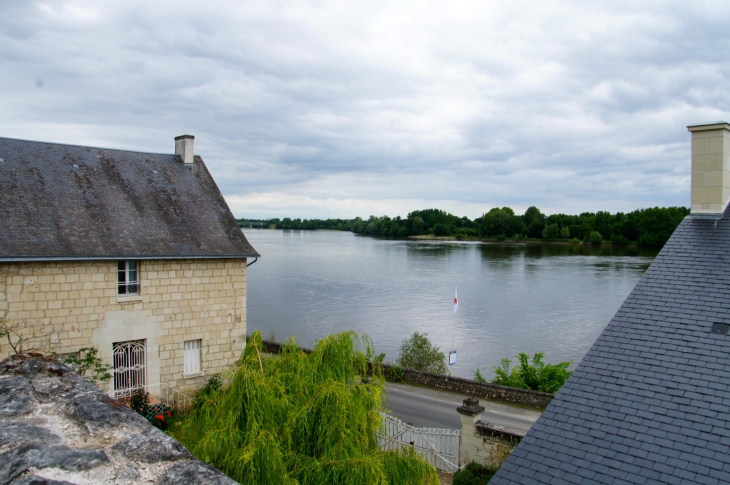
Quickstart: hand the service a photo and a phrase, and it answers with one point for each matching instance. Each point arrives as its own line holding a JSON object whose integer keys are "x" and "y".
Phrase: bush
{"x": 595, "y": 238}
{"x": 537, "y": 377}
{"x": 90, "y": 365}
{"x": 140, "y": 400}
{"x": 419, "y": 354}
{"x": 478, "y": 377}
{"x": 500, "y": 237}
{"x": 575, "y": 240}
{"x": 396, "y": 373}
{"x": 474, "y": 474}
{"x": 619, "y": 240}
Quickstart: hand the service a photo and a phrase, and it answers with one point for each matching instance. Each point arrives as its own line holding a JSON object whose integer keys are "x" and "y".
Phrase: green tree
{"x": 300, "y": 418}
{"x": 595, "y": 238}
{"x": 499, "y": 221}
{"x": 551, "y": 232}
{"x": 565, "y": 233}
{"x": 534, "y": 222}
{"x": 417, "y": 353}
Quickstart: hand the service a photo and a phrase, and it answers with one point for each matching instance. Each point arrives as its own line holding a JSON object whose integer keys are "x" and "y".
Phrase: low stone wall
{"x": 456, "y": 385}
{"x": 493, "y": 443}
{"x": 485, "y": 443}
{"x": 479, "y": 390}
{"x": 58, "y": 428}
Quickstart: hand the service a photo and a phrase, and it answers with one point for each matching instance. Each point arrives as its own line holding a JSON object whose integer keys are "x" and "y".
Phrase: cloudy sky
{"x": 340, "y": 109}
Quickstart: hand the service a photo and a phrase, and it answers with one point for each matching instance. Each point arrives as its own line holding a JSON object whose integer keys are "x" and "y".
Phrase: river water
{"x": 513, "y": 298}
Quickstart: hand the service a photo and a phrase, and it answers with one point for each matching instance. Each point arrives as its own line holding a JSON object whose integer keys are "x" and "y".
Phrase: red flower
{"x": 160, "y": 417}
{"x": 169, "y": 413}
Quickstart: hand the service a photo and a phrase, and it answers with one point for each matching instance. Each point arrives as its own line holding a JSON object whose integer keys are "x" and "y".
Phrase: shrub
{"x": 211, "y": 388}
{"x": 140, "y": 400}
{"x": 537, "y": 377}
{"x": 90, "y": 365}
{"x": 500, "y": 237}
{"x": 619, "y": 240}
{"x": 396, "y": 373}
{"x": 595, "y": 238}
{"x": 417, "y": 353}
{"x": 474, "y": 474}
{"x": 478, "y": 377}
{"x": 575, "y": 240}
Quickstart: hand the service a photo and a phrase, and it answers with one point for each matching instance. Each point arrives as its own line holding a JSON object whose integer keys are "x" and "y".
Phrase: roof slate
{"x": 70, "y": 202}
{"x": 650, "y": 402}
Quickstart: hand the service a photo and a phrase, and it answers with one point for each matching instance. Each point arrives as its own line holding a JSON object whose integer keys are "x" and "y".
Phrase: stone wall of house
{"x": 179, "y": 300}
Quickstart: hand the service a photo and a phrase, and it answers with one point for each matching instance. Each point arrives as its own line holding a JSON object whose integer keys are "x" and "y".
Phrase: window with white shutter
{"x": 192, "y": 356}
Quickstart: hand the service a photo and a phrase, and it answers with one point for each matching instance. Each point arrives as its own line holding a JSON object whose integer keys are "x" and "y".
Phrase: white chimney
{"x": 184, "y": 148}
{"x": 710, "y": 169}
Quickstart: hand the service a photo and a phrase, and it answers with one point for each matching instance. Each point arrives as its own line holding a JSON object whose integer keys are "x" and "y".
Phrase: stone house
{"x": 649, "y": 402}
{"x": 135, "y": 254}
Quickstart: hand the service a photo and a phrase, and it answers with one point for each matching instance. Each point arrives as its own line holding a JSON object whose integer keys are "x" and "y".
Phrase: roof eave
{"x": 111, "y": 257}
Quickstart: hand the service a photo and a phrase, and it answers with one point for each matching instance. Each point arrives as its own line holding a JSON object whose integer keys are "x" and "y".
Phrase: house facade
{"x": 134, "y": 254}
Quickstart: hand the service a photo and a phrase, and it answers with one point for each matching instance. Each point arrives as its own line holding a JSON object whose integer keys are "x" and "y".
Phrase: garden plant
{"x": 538, "y": 377}
{"x": 298, "y": 418}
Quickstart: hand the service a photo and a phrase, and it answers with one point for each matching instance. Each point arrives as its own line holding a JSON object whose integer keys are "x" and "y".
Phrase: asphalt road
{"x": 437, "y": 409}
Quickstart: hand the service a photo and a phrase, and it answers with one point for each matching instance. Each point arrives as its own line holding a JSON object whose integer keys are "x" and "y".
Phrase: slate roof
{"x": 74, "y": 202}
{"x": 649, "y": 403}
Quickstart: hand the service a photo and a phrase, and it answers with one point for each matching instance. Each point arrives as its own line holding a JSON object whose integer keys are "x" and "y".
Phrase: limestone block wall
{"x": 710, "y": 168}
{"x": 485, "y": 443}
{"x": 179, "y": 300}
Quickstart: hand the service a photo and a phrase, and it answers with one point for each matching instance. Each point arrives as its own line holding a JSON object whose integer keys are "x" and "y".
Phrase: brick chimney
{"x": 710, "y": 169}
{"x": 184, "y": 148}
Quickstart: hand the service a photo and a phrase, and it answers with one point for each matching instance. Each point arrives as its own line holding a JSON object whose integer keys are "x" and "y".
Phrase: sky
{"x": 318, "y": 109}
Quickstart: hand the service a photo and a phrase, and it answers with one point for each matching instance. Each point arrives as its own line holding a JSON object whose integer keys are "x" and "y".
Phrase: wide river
{"x": 513, "y": 298}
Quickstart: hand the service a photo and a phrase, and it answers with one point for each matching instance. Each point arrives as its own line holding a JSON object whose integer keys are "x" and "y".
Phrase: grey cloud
{"x": 558, "y": 104}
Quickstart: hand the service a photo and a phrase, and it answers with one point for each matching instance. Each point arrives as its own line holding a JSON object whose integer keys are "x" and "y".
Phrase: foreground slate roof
{"x": 70, "y": 202}
{"x": 649, "y": 403}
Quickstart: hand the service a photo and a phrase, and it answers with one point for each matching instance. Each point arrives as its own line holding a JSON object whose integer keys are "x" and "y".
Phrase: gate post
{"x": 470, "y": 412}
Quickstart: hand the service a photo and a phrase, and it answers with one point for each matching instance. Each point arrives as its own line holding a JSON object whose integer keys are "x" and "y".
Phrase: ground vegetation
{"x": 474, "y": 474}
{"x": 536, "y": 376}
{"x": 300, "y": 418}
{"x": 418, "y": 353}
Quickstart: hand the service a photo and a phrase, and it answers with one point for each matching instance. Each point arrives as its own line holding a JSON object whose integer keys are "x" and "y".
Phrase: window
{"x": 130, "y": 367}
{"x": 128, "y": 278}
{"x": 192, "y": 356}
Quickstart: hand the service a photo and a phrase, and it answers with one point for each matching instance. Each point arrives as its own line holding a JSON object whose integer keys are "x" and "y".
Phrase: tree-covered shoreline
{"x": 644, "y": 227}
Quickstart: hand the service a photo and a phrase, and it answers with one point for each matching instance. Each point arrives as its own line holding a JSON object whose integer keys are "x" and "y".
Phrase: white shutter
{"x": 192, "y": 356}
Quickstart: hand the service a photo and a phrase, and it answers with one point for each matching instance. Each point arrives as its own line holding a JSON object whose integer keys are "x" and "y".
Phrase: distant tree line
{"x": 645, "y": 227}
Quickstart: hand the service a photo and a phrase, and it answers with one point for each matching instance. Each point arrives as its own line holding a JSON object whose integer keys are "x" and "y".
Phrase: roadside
{"x": 432, "y": 408}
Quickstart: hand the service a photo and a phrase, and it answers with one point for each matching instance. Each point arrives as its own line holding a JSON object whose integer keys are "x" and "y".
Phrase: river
{"x": 550, "y": 298}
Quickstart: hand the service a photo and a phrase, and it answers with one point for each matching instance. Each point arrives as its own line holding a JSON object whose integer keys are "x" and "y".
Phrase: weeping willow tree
{"x": 301, "y": 419}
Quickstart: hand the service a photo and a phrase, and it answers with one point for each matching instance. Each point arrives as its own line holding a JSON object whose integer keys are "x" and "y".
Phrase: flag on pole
{"x": 456, "y": 302}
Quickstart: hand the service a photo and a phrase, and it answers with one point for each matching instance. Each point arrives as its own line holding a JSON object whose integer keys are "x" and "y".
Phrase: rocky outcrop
{"x": 57, "y": 428}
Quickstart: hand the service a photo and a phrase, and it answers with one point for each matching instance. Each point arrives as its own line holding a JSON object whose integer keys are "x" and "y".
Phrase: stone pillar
{"x": 470, "y": 412}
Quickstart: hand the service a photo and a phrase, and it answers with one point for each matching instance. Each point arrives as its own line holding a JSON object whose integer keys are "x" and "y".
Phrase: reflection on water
{"x": 554, "y": 298}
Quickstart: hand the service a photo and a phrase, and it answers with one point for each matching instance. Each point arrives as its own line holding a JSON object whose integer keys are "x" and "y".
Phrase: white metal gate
{"x": 439, "y": 447}
{"x": 130, "y": 367}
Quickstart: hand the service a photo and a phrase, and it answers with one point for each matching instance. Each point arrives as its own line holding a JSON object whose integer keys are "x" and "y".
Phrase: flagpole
{"x": 453, "y": 333}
